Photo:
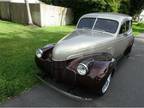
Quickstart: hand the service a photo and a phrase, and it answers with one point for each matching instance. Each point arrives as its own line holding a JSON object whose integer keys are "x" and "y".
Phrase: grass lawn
{"x": 18, "y": 44}
{"x": 17, "y": 49}
{"x": 138, "y": 28}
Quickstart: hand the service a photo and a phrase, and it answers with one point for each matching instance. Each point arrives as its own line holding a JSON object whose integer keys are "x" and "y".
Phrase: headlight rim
{"x": 86, "y": 68}
{"x": 39, "y": 53}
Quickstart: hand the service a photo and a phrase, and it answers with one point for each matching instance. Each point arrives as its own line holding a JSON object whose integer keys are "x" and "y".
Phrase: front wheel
{"x": 105, "y": 86}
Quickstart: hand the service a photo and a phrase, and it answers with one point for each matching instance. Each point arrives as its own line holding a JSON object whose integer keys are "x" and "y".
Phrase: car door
{"x": 122, "y": 39}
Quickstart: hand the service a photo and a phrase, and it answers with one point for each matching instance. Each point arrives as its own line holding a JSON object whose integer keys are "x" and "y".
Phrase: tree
{"x": 136, "y": 6}
{"x": 114, "y": 4}
{"x": 125, "y": 7}
{"x": 30, "y": 22}
{"x": 81, "y": 7}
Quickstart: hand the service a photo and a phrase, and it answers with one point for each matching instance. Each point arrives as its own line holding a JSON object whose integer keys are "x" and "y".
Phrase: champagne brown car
{"x": 87, "y": 56}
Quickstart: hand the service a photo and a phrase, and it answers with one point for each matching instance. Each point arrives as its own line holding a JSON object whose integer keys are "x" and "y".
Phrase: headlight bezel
{"x": 84, "y": 71}
{"x": 39, "y": 53}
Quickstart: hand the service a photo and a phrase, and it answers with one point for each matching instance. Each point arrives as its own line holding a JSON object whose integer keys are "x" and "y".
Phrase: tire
{"x": 105, "y": 86}
{"x": 128, "y": 51}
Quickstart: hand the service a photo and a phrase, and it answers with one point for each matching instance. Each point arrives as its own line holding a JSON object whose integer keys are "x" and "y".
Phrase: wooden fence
{"x": 4, "y": 10}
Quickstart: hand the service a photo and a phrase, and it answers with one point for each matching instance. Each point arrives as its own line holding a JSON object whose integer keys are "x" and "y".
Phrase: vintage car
{"x": 87, "y": 57}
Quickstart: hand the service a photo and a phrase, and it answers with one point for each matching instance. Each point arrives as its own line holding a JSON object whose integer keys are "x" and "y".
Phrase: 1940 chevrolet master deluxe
{"x": 87, "y": 56}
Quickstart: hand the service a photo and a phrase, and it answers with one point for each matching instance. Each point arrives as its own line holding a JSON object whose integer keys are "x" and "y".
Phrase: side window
{"x": 127, "y": 25}
{"x": 123, "y": 29}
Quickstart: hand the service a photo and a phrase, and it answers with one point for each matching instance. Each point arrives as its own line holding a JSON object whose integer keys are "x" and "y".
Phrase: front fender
{"x": 100, "y": 65}
{"x": 47, "y": 51}
{"x": 66, "y": 71}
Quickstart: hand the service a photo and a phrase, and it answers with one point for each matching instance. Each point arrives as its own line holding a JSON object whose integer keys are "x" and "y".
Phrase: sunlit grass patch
{"x": 17, "y": 50}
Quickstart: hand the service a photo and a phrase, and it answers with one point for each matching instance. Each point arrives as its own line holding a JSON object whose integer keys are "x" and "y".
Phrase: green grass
{"x": 18, "y": 44}
{"x": 138, "y": 28}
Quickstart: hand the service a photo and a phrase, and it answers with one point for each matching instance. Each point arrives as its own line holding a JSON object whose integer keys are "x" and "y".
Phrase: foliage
{"x": 138, "y": 28}
{"x": 136, "y": 7}
{"x": 114, "y": 4}
{"x": 124, "y": 7}
{"x": 93, "y": 6}
{"x": 17, "y": 51}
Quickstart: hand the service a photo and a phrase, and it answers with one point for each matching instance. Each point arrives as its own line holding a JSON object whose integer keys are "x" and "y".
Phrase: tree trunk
{"x": 30, "y": 22}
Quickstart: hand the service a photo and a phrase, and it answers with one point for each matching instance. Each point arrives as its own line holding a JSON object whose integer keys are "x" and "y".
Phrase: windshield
{"x": 86, "y": 23}
{"x": 106, "y": 25}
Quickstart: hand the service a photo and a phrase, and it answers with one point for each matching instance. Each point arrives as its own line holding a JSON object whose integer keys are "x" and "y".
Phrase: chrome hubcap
{"x": 106, "y": 85}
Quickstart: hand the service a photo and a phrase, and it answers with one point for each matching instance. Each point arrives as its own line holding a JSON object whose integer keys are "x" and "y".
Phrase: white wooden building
{"x": 22, "y": 1}
{"x": 142, "y": 16}
{"x": 42, "y": 14}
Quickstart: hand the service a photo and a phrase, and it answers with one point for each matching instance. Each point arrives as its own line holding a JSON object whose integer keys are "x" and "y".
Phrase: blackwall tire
{"x": 128, "y": 51}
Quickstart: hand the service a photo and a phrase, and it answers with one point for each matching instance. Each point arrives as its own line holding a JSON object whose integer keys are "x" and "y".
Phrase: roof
{"x": 113, "y": 16}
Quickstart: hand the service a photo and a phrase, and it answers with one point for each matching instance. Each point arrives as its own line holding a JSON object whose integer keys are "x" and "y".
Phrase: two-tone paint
{"x": 100, "y": 66}
{"x": 96, "y": 49}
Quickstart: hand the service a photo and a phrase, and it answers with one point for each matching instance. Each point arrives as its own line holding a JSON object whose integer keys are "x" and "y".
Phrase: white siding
{"x": 22, "y": 1}
{"x": 142, "y": 16}
{"x": 5, "y": 0}
{"x": 55, "y": 16}
{"x": 42, "y": 14}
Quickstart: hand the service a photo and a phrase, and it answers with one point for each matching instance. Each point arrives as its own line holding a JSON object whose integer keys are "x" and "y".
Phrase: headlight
{"x": 82, "y": 69}
{"x": 39, "y": 53}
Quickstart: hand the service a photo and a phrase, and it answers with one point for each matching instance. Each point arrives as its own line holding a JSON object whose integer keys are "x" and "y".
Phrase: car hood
{"x": 79, "y": 43}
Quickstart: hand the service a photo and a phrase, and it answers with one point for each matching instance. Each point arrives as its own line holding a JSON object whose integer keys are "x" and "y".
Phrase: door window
{"x": 125, "y": 27}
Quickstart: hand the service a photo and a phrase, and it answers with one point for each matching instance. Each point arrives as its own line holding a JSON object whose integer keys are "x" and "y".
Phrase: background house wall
{"x": 54, "y": 15}
{"x": 42, "y": 14}
{"x": 142, "y": 16}
{"x": 36, "y": 14}
{"x": 21, "y": 1}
